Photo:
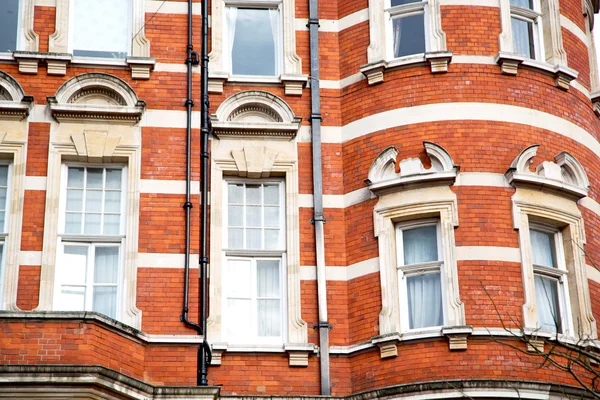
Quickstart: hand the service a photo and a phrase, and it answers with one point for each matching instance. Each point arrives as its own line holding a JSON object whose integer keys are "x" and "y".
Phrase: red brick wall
{"x": 28, "y": 291}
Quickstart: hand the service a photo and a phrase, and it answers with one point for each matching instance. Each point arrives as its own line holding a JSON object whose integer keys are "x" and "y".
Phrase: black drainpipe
{"x": 191, "y": 60}
{"x": 205, "y": 353}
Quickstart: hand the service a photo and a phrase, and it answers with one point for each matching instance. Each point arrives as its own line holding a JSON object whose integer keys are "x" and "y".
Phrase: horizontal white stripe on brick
{"x": 483, "y": 3}
{"x": 593, "y": 273}
{"x": 470, "y": 59}
{"x": 35, "y": 183}
{"x": 169, "y": 119}
{"x": 45, "y": 3}
{"x": 488, "y": 253}
{"x": 334, "y": 25}
{"x": 40, "y": 113}
{"x": 30, "y": 258}
{"x": 182, "y": 339}
{"x": 573, "y": 28}
{"x": 590, "y": 204}
{"x": 481, "y": 179}
{"x": 337, "y": 200}
{"x": 178, "y": 68}
{"x": 309, "y": 273}
{"x": 167, "y": 186}
{"x": 172, "y": 7}
{"x": 163, "y": 260}
{"x": 578, "y": 86}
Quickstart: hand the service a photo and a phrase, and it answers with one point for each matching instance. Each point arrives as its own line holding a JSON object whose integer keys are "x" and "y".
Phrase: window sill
{"x": 438, "y": 62}
{"x": 297, "y": 352}
{"x": 293, "y": 84}
{"x": 510, "y": 63}
{"x": 457, "y": 338}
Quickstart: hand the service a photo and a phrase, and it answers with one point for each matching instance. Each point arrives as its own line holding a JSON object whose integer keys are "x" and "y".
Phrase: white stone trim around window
{"x": 379, "y": 54}
{"x": 94, "y": 139}
{"x": 290, "y": 75}
{"x": 138, "y": 60}
{"x": 415, "y": 194}
{"x": 550, "y": 54}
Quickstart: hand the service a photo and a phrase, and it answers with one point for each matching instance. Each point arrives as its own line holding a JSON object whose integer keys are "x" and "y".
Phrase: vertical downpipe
{"x": 205, "y": 353}
{"x": 318, "y": 219}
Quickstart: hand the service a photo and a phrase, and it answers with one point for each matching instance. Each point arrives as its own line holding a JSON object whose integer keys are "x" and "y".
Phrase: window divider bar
{"x": 253, "y": 253}
{"x": 431, "y": 266}
{"x": 407, "y": 8}
{"x": 92, "y": 238}
{"x": 524, "y": 12}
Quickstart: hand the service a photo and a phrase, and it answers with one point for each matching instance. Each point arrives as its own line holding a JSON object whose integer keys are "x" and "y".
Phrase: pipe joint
{"x": 319, "y": 217}
{"x": 203, "y": 260}
{"x": 189, "y": 103}
{"x": 315, "y": 116}
{"x": 313, "y": 21}
{"x": 323, "y": 325}
{"x": 204, "y": 154}
{"x": 187, "y": 205}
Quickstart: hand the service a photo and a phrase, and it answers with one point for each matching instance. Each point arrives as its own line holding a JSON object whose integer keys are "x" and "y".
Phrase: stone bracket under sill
{"x": 511, "y": 62}
{"x": 57, "y": 63}
{"x": 438, "y": 61}
{"x": 298, "y": 353}
{"x": 456, "y": 335}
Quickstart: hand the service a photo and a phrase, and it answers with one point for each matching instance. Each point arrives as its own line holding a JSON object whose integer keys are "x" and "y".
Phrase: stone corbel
{"x": 535, "y": 345}
{"x": 298, "y": 353}
{"x": 294, "y": 84}
{"x": 439, "y": 61}
{"x": 57, "y": 63}
{"x": 141, "y": 67}
{"x": 388, "y": 345}
{"x": 563, "y": 76}
{"x": 217, "y": 350}
{"x": 28, "y": 61}
{"x": 509, "y": 62}
{"x": 457, "y": 336}
{"x": 374, "y": 72}
{"x": 216, "y": 80}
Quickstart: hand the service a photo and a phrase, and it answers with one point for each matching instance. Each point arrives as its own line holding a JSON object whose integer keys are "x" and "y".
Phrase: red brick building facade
{"x": 461, "y": 190}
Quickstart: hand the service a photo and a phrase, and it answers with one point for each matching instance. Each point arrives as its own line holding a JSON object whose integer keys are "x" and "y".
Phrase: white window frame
{"x": 533, "y": 16}
{"x": 404, "y": 271}
{"x": 228, "y": 50}
{"x": 253, "y": 255}
{"x": 406, "y": 10}
{"x": 558, "y": 274}
{"x": 71, "y": 40}
{"x": 4, "y": 234}
{"x": 91, "y": 240}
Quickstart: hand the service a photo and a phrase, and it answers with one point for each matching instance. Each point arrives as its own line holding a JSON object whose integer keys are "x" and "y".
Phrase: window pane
{"x": 75, "y": 177}
{"x": 73, "y": 223}
{"x": 72, "y": 298}
{"x": 106, "y": 264}
{"x": 409, "y": 35}
{"x": 253, "y": 216}
{"x": 93, "y": 201}
{"x": 424, "y": 300}
{"x": 269, "y": 317}
{"x": 112, "y": 224}
{"x": 105, "y": 300}
{"x": 420, "y": 245}
{"x": 239, "y": 278}
{"x": 272, "y": 195}
{"x": 236, "y": 238}
{"x": 523, "y": 37}
{"x": 92, "y": 224}
{"x": 74, "y": 200}
{"x": 542, "y": 246}
{"x": 267, "y": 278}
{"x": 272, "y": 217}
{"x": 253, "y": 194}
{"x": 254, "y": 46}
{"x": 94, "y": 178}
{"x": 9, "y": 15}
{"x": 101, "y": 28}
{"x": 236, "y": 193}
{"x": 112, "y": 201}
{"x": 239, "y": 319}
{"x": 235, "y": 215}
{"x": 73, "y": 265}
{"x": 272, "y": 240}
{"x": 546, "y": 296}
{"x": 3, "y": 175}
{"x": 253, "y": 239}
{"x": 113, "y": 178}
{"x": 522, "y": 3}
{"x": 395, "y": 3}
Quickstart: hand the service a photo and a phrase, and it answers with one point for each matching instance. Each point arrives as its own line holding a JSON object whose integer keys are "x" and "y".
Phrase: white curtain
{"x": 268, "y": 298}
{"x": 72, "y": 276}
{"x": 424, "y": 300}
{"x": 521, "y": 38}
{"x": 231, "y": 16}
{"x": 105, "y": 272}
{"x": 546, "y": 296}
{"x": 277, "y": 35}
{"x": 420, "y": 245}
{"x": 239, "y": 302}
{"x": 397, "y": 25}
{"x": 542, "y": 246}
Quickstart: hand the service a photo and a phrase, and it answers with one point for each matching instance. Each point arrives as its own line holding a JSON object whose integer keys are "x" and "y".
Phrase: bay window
{"x": 253, "y": 35}
{"x": 550, "y": 277}
{"x": 407, "y": 27}
{"x": 527, "y": 33}
{"x": 100, "y": 28}
{"x": 419, "y": 274}
{"x": 91, "y": 241}
{"x": 254, "y": 263}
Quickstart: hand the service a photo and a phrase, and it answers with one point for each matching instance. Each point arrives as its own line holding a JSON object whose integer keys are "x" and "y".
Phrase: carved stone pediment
{"x": 255, "y": 113}
{"x": 565, "y": 176}
{"x": 383, "y": 177}
{"x": 96, "y": 97}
